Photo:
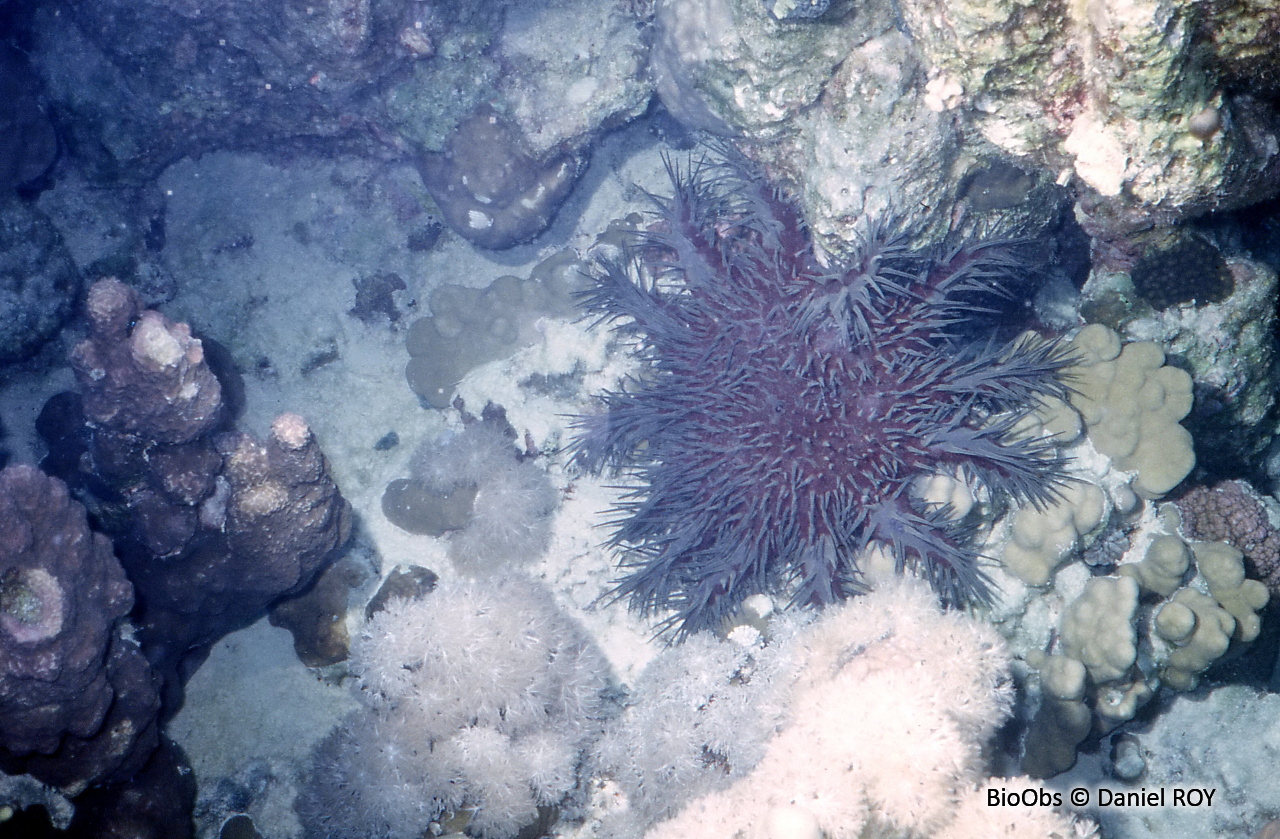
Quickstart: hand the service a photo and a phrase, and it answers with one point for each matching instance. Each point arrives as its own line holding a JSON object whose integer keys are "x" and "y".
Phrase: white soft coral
{"x": 892, "y": 704}
{"x": 481, "y": 696}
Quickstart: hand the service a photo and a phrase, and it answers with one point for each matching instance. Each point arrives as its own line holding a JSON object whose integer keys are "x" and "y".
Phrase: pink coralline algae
{"x": 77, "y": 699}
{"x": 1232, "y": 512}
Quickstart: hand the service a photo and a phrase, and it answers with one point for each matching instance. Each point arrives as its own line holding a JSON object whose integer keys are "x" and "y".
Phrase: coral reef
{"x": 212, "y": 525}
{"x": 77, "y": 699}
{"x": 479, "y": 697}
{"x": 791, "y": 409}
{"x": 1147, "y": 608}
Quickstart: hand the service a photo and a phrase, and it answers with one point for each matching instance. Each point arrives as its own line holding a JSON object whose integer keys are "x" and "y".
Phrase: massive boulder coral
{"x": 77, "y": 699}
{"x": 492, "y": 190}
{"x": 1131, "y": 403}
{"x": 211, "y": 524}
{"x": 469, "y": 327}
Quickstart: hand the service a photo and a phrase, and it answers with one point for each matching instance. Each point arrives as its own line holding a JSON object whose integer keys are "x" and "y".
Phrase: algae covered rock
{"x": 39, "y": 281}
{"x": 1116, "y": 97}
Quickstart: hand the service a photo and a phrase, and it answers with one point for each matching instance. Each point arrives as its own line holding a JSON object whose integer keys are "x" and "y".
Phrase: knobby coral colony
{"x": 788, "y": 407}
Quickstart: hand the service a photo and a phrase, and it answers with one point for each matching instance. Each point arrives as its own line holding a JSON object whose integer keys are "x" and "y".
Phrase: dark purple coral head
{"x": 787, "y": 407}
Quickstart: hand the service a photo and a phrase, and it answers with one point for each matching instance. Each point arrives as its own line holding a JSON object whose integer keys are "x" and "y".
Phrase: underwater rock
{"x": 39, "y": 282}
{"x": 376, "y": 297}
{"x": 142, "y": 86}
{"x": 797, "y": 9}
{"x": 405, "y": 581}
{"x": 836, "y": 112}
{"x": 1120, "y": 100}
{"x": 28, "y": 142}
{"x": 573, "y": 69}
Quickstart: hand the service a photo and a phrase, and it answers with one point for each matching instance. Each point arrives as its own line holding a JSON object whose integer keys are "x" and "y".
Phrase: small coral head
{"x": 787, "y": 408}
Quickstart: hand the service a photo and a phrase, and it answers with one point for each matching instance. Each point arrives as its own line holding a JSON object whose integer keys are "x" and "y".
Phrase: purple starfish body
{"x": 787, "y": 408}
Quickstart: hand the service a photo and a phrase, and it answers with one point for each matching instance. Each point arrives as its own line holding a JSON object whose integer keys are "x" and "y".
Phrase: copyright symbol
{"x": 1079, "y": 796}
